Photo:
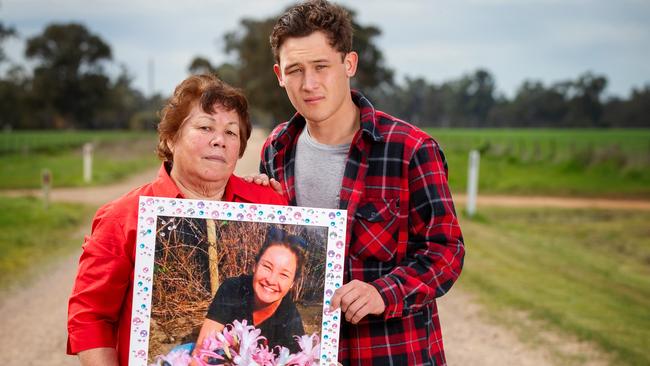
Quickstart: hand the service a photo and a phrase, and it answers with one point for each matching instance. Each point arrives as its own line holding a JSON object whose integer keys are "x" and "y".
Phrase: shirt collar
{"x": 235, "y": 191}
{"x": 368, "y": 116}
{"x": 368, "y": 121}
{"x": 164, "y": 186}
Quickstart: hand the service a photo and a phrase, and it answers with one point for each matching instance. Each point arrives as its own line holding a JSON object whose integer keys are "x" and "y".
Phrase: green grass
{"x": 116, "y": 156}
{"x": 583, "y": 271}
{"x": 30, "y": 235}
{"x": 612, "y": 163}
{"x": 25, "y": 142}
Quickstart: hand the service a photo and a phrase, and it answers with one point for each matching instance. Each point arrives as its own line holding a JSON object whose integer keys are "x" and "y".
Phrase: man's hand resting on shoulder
{"x": 263, "y": 180}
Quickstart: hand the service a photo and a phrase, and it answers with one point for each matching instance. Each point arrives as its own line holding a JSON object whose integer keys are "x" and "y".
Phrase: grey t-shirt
{"x": 319, "y": 172}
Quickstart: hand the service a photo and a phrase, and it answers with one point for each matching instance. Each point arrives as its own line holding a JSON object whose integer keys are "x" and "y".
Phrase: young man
{"x": 404, "y": 244}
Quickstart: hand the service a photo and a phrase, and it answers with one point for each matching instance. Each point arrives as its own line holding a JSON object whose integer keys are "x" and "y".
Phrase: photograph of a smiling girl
{"x": 209, "y": 273}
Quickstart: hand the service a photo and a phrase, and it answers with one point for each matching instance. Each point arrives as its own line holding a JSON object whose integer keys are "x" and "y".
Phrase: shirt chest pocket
{"x": 376, "y": 229}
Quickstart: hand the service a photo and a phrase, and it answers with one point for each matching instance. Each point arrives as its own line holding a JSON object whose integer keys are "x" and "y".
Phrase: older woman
{"x": 202, "y": 133}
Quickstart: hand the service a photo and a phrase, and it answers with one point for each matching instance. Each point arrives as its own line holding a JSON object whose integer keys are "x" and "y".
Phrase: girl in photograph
{"x": 261, "y": 298}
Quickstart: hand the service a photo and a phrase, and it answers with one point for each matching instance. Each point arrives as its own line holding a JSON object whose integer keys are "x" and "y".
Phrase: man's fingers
{"x": 349, "y": 298}
{"x": 360, "y": 314}
{"x": 335, "y": 303}
{"x": 357, "y": 299}
{"x": 261, "y": 181}
{"x": 357, "y": 310}
{"x": 337, "y": 299}
{"x": 276, "y": 185}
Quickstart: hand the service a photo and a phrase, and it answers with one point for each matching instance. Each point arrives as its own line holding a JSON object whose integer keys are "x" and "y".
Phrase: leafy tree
{"x": 470, "y": 98}
{"x": 503, "y": 114}
{"x": 252, "y": 68}
{"x": 585, "y": 107}
{"x": 121, "y": 103}
{"x": 69, "y": 79}
{"x": 5, "y": 32}
{"x": 14, "y": 111}
{"x": 536, "y": 105}
{"x": 633, "y": 112}
{"x": 372, "y": 72}
{"x": 416, "y": 101}
{"x": 638, "y": 108}
{"x": 201, "y": 65}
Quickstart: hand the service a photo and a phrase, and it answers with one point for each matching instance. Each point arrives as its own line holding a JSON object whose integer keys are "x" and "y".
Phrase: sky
{"x": 439, "y": 40}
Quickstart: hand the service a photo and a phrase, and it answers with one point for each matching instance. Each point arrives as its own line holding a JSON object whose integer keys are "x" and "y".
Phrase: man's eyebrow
{"x": 317, "y": 61}
{"x": 290, "y": 66}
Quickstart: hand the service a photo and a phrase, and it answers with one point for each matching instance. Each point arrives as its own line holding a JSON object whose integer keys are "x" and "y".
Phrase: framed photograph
{"x": 212, "y": 275}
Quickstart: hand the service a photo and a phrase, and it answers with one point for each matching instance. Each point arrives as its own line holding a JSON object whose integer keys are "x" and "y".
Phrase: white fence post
{"x": 472, "y": 182}
{"x": 88, "y": 162}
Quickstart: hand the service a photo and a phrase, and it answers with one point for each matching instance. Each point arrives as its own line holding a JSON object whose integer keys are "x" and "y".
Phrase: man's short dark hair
{"x": 311, "y": 16}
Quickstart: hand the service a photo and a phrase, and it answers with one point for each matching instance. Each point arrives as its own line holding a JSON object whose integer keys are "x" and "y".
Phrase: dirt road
{"x": 33, "y": 322}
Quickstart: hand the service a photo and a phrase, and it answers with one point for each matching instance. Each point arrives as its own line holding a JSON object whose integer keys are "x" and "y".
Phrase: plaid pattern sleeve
{"x": 403, "y": 235}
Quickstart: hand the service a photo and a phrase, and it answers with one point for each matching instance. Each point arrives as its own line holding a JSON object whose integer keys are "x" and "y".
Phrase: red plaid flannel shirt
{"x": 403, "y": 234}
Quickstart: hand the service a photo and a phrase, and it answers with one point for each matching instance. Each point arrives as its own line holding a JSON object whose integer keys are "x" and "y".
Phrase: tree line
{"x": 472, "y": 101}
{"x": 69, "y": 88}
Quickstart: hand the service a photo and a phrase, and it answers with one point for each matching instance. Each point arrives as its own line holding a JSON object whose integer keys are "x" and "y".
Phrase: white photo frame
{"x": 158, "y": 215}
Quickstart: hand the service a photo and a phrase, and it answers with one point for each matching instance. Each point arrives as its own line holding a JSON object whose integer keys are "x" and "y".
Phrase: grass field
{"x": 25, "y": 142}
{"x": 604, "y": 163}
{"x": 583, "y": 271}
{"x": 116, "y": 155}
{"x": 31, "y": 235}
